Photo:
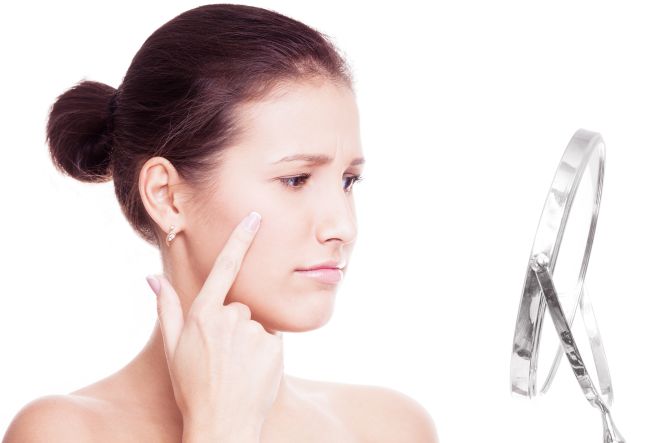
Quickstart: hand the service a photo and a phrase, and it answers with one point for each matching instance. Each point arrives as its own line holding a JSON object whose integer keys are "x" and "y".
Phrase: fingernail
{"x": 154, "y": 283}
{"x": 252, "y": 221}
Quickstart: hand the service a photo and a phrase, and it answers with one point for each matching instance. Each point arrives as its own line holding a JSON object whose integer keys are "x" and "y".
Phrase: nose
{"x": 337, "y": 219}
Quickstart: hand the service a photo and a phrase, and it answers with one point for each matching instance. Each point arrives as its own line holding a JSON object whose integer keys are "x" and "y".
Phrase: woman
{"x": 225, "y": 111}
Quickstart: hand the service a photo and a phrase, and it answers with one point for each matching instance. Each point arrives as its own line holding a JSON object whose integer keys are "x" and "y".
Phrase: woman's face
{"x": 307, "y": 207}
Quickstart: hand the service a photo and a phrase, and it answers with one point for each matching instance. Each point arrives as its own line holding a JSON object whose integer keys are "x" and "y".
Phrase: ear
{"x": 160, "y": 194}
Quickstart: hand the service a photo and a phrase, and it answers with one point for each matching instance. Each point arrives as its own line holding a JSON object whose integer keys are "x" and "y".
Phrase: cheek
{"x": 267, "y": 271}
{"x": 267, "y": 268}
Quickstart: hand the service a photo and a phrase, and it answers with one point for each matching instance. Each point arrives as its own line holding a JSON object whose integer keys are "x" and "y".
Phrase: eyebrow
{"x": 315, "y": 159}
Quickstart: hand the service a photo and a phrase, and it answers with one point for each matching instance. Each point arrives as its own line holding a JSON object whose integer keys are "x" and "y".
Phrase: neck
{"x": 149, "y": 377}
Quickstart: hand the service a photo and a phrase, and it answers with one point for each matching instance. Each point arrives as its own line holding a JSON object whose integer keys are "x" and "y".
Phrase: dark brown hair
{"x": 179, "y": 98}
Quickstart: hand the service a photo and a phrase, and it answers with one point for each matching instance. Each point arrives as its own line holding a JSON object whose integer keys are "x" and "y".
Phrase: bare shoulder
{"x": 385, "y": 415}
{"x": 376, "y": 413}
{"x": 52, "y": 418}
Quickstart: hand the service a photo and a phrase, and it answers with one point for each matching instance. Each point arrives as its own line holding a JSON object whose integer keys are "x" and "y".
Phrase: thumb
{"x": 170, "y": 313}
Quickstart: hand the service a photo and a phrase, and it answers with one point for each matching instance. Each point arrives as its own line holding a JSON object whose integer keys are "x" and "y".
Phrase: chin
{"x": 299, "y": 317}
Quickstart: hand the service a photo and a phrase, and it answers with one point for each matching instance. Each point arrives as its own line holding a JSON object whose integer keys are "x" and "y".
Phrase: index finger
{"x": 228, "y": 262}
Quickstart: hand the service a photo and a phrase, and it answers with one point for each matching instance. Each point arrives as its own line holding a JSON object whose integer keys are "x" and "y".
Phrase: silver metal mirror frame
{"x": 550, "y": 229}
{"x": 585, "y": 148}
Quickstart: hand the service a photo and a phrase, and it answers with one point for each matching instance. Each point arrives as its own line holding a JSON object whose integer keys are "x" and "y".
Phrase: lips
{"x": 329, "y": 272}
{"x": 330, "y": 264}
{"x": 324, "y": 275}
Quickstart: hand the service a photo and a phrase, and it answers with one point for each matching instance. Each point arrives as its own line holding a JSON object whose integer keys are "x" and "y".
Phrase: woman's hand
{"x": 225, "y": 368}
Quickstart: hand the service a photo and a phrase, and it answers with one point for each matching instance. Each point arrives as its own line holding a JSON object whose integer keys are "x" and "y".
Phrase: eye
{"x": 353, "y": 179}
{"x": 296, "y": 182}
{"x": 287, "y": 181}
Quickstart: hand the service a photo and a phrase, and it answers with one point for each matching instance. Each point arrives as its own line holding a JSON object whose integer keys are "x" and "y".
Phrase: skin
{"x": 301, "y": 226}
{"x": 312, "y": 222}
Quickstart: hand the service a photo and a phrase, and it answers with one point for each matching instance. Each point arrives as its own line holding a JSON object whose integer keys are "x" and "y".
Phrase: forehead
{"x": 316, "y": 117}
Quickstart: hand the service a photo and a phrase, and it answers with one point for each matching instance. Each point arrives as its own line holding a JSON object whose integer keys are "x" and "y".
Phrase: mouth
{"x": 327, "y": 275}
{"x": 329, "y": 264}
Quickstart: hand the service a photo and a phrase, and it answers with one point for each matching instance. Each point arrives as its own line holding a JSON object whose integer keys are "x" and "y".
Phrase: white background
{"x": 466, "y": 108}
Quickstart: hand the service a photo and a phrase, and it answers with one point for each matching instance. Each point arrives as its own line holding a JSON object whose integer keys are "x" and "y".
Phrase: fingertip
{"x": 154, "y": 283}
{"x": 252, "y": 222}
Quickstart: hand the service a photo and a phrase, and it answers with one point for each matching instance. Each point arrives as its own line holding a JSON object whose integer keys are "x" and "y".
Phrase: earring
{"x": 171, "y": 234}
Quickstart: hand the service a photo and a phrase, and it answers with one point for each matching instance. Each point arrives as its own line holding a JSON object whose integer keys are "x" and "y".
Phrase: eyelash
{"x": 285, "y": 181}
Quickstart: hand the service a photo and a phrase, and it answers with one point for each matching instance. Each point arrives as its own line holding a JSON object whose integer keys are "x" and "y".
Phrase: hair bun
{"x": 79, "y": 131}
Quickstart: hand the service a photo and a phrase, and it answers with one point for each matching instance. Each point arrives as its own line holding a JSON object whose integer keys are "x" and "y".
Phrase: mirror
{"x": 555, "y": 289}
